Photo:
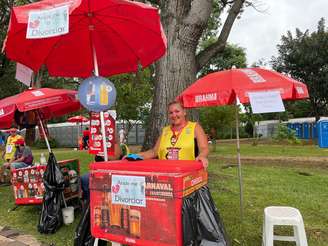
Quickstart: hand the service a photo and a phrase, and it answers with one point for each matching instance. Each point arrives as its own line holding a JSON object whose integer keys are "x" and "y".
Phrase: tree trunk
{"x": 177, "y": 69}
{"x": 30, "y": 136}
{"x": 183, "y": 22}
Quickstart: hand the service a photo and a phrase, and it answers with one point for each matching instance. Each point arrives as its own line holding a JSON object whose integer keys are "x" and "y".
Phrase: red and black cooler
{"x": 140, "y": 203}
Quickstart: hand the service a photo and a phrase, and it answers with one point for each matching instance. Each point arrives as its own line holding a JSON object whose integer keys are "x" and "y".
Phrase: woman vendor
{"x": 181, "y": 140}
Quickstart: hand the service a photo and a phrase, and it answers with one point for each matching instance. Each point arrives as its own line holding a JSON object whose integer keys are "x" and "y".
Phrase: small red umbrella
{"x": 121, "y": 34}
{"x": 78, "y": 119}
{"x": 47, "y": 102}
{"x": 224, "y": 87}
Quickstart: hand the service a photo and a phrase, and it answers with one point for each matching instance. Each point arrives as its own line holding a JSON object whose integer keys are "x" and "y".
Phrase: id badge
{"x": 172, "y": 153}
{"x": 9, "y": 148}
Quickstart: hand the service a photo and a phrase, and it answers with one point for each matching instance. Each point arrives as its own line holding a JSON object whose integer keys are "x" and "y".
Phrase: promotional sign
{"x": 23, "y": 74}
{"x": 97, "y": 94}
{"x": 128, "y": 190}
{"x": 47, "y": 23}
{"x": 153, "y": 224}
{"x": 28, "y": 184}
{"x": 266, "y": 102}
{"x": 95, "y": 140}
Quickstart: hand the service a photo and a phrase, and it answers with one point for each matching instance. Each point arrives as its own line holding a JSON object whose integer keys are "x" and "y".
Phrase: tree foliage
{"x": 222, "y": 119}
{"x": 304, "y": 56}
{"x": 232, "y": 55}
{"x": 134, "y": 95}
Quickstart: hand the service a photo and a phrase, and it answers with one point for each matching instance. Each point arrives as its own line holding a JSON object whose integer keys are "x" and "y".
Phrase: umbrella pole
{"x": 102, "y": 121}
{"x": 44, "y": 132}
{"x": 78, "y": 135}
{"x": 239, "y": 165}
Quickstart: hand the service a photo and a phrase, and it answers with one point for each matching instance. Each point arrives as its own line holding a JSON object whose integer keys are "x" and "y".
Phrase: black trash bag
{"x": 189, "y": 218}
{"x": 51, "y": 218}
{"x": 205, "y": 223}
{"x": 83, "y": 235}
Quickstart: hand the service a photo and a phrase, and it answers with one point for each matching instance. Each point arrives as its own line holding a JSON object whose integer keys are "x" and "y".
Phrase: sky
{"x": 260, "y": 32}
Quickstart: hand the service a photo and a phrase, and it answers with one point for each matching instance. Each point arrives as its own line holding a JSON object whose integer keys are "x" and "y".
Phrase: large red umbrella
{"x": 221, "y": 88}
{"x": 118, "y": 35}
{"x": 224, "y": 87}
{"x": 121, "y": 34}
{"x": 47, "y": 102}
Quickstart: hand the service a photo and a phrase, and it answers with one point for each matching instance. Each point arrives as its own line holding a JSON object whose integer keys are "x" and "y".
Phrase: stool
{"x": 283, "y": 216}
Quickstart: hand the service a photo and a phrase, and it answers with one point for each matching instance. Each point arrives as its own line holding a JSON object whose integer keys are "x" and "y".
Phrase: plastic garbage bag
{"x": 51, "y": 218}
{"x": 202, "y": 225}
{"x": 83, "y": 235}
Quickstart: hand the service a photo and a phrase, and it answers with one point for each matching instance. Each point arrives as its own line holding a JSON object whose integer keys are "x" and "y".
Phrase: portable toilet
{"x": 306, "y": 130}
{"x": 289, "y": 127}
{"x": 298, "y": 130}
{"x": 314, "y": 130}
{"x": 322, "y": 129}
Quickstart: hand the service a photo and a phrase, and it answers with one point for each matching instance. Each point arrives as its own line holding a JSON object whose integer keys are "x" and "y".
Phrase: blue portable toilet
{"x": 322, "y": 128}
{"x": 306, "y": 130}
{"x": 298, "y": 130}
{"x": 289, "y": 127}
{"x": 314, "y": 130}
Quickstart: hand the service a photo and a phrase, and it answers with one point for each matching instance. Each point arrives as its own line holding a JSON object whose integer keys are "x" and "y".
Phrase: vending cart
{"x": 141, "y": 202}
{"x": 28, "y": 184}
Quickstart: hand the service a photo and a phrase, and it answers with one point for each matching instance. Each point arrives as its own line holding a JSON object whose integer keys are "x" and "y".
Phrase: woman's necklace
{"x": 175, "y": 136}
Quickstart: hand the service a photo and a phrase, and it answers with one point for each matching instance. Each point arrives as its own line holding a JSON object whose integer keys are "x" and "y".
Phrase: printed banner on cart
{"x": 128, "y": 190}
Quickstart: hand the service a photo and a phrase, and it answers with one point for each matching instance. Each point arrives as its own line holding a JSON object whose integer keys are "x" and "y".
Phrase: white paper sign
{"x": 24, "y": 74}
{"x": 128, "y": 190}
{"x": 266, "y": 102}
{"x": 47, "y": 23}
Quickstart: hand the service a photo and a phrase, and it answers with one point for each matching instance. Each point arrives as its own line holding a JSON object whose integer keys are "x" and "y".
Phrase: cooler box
{"x": 28, "y": 182}
{"x": 140, "y": 202}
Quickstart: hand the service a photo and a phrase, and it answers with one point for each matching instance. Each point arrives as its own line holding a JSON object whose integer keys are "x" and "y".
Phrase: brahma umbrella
{"x": 224, "y": 87}
{"x": 46, "y": 102}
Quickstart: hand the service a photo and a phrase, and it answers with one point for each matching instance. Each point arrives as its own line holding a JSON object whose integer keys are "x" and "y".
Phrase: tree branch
{"x": 204, "y": 56}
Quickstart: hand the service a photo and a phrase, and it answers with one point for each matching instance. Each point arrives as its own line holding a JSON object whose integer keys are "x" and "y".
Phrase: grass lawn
{"x": 264, "y": 185}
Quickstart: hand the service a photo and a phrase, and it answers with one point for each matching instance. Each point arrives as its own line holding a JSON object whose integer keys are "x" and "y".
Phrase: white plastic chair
{"x": 283, "y": 216}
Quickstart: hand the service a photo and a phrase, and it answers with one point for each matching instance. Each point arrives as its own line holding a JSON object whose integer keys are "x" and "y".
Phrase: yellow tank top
{"x": 10, "y": 146}
{"x": 183, "y": 149}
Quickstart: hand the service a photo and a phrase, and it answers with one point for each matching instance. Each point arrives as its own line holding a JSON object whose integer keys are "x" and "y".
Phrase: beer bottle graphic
{"x": 97, "y": 216}
{"x": 104, "y": 209}
{"x": 103, "y": 94}
{"x": 125, "y": 213}
{"x": 135, "y": 218}
{"x": 91, "y": 94}
{"x": 115, "y": 215}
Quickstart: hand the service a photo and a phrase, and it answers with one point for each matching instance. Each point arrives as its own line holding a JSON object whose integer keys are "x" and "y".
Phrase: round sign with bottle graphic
{"x": 97, "y": 94}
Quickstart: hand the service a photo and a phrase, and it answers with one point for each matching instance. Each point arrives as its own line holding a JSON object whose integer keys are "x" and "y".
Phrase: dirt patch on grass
{"x": 321, "y": 162}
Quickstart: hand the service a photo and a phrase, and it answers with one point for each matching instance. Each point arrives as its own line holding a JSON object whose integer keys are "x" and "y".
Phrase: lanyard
{"x": 175, "y": 137}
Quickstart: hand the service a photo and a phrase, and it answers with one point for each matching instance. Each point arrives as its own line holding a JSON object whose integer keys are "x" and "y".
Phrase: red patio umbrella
{"x": 47, "y": 102}
{"x": 118, "y": 35}
{"x": 221, "y": 88}
{"x": 224, "y": 87}
{"x": 122, "y": 34}
{"x": 78, "y": 119}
